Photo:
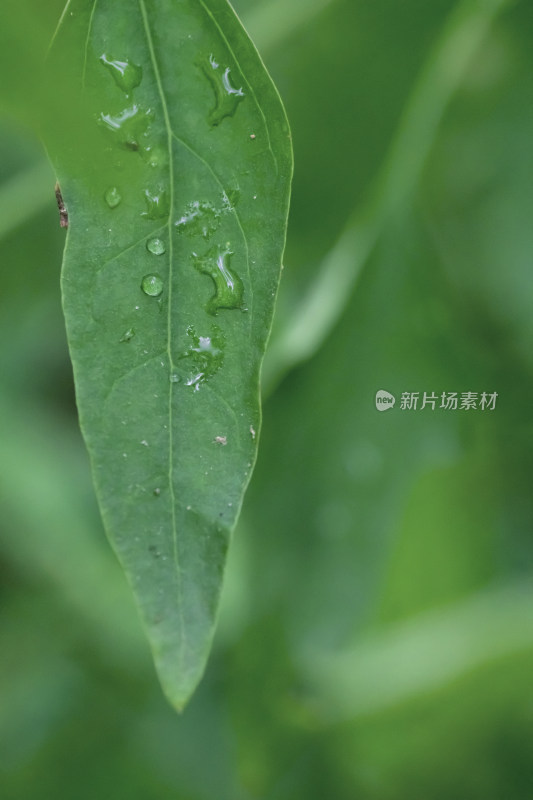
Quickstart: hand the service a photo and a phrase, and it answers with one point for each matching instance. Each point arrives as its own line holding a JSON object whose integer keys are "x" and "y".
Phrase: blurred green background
{"x": 376, "y": 635}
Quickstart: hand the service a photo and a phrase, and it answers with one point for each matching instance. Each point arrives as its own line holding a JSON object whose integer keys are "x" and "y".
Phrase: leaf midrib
{"x": 168, "y": 127}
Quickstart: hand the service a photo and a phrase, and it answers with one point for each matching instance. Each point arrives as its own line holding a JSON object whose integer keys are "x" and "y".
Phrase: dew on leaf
{"x": 156, "y": 246}
{"x": 204, "y": 355}
{"x": 130, "y": 125}
{"x": 152, "y": 285}
{"x": 229, "y": 288}
{"x": 128, "y": 335}
{"x": 227, "y": 96}
{"x": 195, "y": 380}
{"x": 154, "y": 156}
{"x": 112, "y": 197}
{"x": 230, "y": 198}
{"x": 157, "y": 204}
{"x": 199, "y": 219}
{"x": 126, "y": 74}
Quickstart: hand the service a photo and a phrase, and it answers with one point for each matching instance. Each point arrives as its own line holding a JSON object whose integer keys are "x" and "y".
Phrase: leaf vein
{"x": 89, "y": 31}
{"x": 155, "y": 66}
{"x": 237, "y": 216}
{"x": 250, "y": 89}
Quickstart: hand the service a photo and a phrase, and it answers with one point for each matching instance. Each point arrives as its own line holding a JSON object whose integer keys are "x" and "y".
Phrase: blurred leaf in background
{"x": 376, "y": 640}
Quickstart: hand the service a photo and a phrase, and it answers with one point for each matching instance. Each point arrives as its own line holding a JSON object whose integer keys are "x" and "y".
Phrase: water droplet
{"x": 130, "y": 125}
{"x": 230, "y": 198}
{"x": 157, "y": 492}
{"x": 156, "y": 246}
{"x": 228, "y": 286}
{"x": 195, "y": 380}
{"x": 152, "y": 285}
{"x": 204, "y": 356}
{"x": 154, "y": 156}
{"x": 144, "y": 443}
{"x": 200, "y": 219}
{"x": 128, "y": 335}
{"x": 157, "y": 204}
{"x": 220, "y": 440}
{"x": 174, "y": 378}
{"x": 227, "y": 97}
{"x": 252, "y": 431}
{"x": 112, "y": 197}
{"x": 126, "y": 74}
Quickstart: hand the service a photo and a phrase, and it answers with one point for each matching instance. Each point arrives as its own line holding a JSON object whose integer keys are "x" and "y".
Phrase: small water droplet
{"x": 174, "y": 378}
{"x": 230, "y": 198}
{"x": 200, "y": 219}
{"x": 157, "y": 492}
{"x": 204, "y": 356}
{"x": 128, "y": 335}
{"x": 157, "y": 204}
{"x": 227, "y": 96}
{"x": 229, "y": 288}
{"x": 252, "y": 431}
{"x": 144, "y": 443}
{"x": 154, "y": 156}
{"x": 252, "y": 136}
{"x": 130, "y": 125}
{"x": 112, "y": 197}
{"x": 152, "y": 285}
{"x": 195, "y": 380}
{"x": 156, "y": 246}
{"x": 126, "y": 74}
{"x": 220, "y": 440}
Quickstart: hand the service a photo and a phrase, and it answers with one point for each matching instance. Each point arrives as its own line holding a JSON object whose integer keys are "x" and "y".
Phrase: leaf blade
{"x": 169, "y": 281}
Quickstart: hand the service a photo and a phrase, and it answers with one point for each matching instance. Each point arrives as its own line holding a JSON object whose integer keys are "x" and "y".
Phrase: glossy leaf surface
{"x": 175, "y": 170}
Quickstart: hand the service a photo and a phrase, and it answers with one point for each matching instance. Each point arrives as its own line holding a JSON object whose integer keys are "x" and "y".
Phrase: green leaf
{"x": 175, "y": 171}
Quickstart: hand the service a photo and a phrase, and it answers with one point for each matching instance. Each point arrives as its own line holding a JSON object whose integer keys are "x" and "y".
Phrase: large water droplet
{"x": 227, "y": 96}
{"x": 152, "y": 285}
{"x": 156, "y": 246}
{"x": 126, "y": 74}
{"x": 112, "y": 197}
{"x": 229, "y": 288}
{"x": 200, "y": 219}
{"x": 157, "y": 204}
{"x": 130, "y": 126}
